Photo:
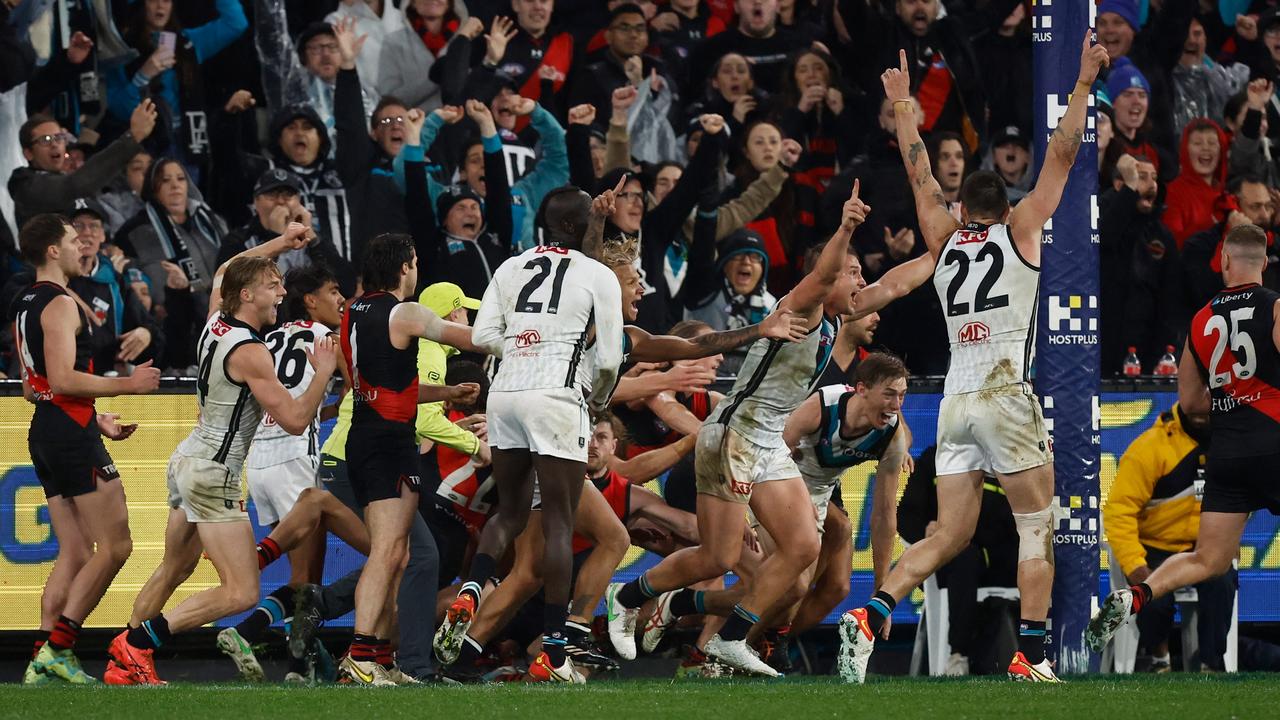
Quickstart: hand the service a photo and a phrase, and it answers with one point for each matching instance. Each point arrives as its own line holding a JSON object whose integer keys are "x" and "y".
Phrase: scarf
{"x": 435, "y": 41}
{"x": 105, "y": 274}
{"x": 744, "y": 310}
{"x": 171, "y": 239}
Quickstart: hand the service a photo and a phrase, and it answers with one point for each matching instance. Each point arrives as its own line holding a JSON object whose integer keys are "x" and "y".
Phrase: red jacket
{"x": 1191, "y": 205}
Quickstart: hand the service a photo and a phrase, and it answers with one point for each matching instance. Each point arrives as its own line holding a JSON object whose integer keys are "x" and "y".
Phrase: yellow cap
{"x": 443, "y": 298}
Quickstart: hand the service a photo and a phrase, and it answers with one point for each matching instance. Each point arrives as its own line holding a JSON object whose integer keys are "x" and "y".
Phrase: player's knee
{"x": 242, "y": 597}
{"x": 615, "y": 540}
{"x": 804, "y": 552}
{"x": 119, "y": 550}
{"x": 1035, "y": 535}
{"x": 833, "y": 587}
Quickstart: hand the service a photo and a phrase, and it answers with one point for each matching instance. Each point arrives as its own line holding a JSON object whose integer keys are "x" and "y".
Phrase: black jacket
{"x": 319, "y": 251}
{"x": 1141, "y": 282}
{"x": 377, "y": 205}
{"x": 446, "y": 258}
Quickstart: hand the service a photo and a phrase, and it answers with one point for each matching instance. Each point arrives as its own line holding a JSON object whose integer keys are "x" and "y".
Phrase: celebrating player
{"x": 537, "y": 315}
{"x": 54, "y": 333}
{"x": 741, "y": 452}
{"x": 987, "y": 277}
{"x": 236, "y": 384}
{"x": 1230, "y": 368}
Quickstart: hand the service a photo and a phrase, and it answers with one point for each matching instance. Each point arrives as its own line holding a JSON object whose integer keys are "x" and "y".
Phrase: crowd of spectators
{"x": 176, "y": 134}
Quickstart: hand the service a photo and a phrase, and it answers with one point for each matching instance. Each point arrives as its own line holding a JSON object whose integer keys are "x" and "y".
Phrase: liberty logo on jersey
{"x": 1078, "y": 312}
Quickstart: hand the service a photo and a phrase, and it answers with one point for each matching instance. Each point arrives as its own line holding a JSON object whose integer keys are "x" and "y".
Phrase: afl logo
{"x": 974, "y": 332}
{"x": 528, "y": 338}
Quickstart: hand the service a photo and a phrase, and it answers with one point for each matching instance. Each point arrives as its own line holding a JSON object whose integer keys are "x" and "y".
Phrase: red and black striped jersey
{"x": 1231, "y": 341}
{"x": 384, "y": 377}
{"x": 646, "y": 431}
{"x": 29, "y": 334}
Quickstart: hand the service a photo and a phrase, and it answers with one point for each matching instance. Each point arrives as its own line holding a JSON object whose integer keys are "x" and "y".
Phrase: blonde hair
{"x": 623, "y": 251}
{"x": 241, "y": 273}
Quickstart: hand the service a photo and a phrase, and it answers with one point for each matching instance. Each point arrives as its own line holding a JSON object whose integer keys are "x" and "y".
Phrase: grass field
{"x": 1096, "y": 698}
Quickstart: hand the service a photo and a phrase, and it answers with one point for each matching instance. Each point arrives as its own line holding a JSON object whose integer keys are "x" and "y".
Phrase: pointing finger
{"x": 857, "y": 188}
{"x": 621, "y": 182}
{"x": 902, "y": 60}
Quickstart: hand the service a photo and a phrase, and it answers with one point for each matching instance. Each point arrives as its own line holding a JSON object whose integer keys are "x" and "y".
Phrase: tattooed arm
{"x": 936, "y": 221}
{"x": 782, "y": 324}
{"x": 1028, "y": 218}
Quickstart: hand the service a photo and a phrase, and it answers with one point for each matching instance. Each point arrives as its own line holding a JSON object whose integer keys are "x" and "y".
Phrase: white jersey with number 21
{"x": 989, "y": 296}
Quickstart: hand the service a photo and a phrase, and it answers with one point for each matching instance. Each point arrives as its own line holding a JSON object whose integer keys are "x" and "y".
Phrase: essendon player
{"x": 1230, "y": 368}
{"x": 53, "y": 330}
{"x": 237, "y": 382}
{"x": 379, "y": 339}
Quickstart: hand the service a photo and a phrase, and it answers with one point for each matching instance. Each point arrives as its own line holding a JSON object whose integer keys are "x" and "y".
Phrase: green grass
{"x": 1095, "y": 698}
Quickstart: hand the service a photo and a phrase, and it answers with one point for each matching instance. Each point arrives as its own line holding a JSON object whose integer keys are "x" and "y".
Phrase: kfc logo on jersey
{"x": 973, "y": 333}
{"x": 527, "y": 339}
{"x": 1069, "y": 317}
{"x": 220, "y": 328}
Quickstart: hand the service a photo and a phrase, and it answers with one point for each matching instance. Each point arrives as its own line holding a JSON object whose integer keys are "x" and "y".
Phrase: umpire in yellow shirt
{"x": 1153, "y": 512}
{"x": 449, "y": 302}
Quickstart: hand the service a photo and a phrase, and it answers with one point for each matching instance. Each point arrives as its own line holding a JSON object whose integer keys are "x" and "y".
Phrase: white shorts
{"x": 995, "y": 431}
{"x": 205, "y": 490}
{"x": 821, "y": 499}
{"x": 727, "y": 465}
{"x": 275, "y": 489}
{"x": 553, "y": 422}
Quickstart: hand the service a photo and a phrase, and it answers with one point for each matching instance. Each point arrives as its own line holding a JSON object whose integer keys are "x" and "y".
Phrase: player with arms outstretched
{"x": 987, "y": 278}
{"x": 742, "y": 458}
{"x": 1230, "y": 369}
{"x": 237, "y": 382}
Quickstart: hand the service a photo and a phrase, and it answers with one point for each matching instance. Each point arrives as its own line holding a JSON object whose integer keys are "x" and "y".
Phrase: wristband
{"x": 910, "y": 105}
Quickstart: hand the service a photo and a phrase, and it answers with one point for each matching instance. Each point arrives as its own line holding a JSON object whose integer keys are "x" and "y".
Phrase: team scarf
{"x": 199, "y": 220}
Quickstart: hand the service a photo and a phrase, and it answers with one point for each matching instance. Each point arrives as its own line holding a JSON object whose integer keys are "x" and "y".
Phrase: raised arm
{"x": 251, "y": 363}
{"x": 782, "y": 324}
{"x": 936, "y": 221}
{"x": 296, "y": 235}
{"x": 896, "y": 283}
{"x": 813, "y": 288}
{"x": 1029, "y": 217}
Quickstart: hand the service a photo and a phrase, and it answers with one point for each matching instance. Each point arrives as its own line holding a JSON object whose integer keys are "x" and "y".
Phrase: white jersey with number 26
{"x": 989, "y": 296}
{"x": 288, "y": 344}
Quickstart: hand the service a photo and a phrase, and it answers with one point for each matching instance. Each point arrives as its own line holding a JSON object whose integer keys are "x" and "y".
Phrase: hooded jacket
{"x": 1152, "y": 501}
{"x": 1192, "y": 204}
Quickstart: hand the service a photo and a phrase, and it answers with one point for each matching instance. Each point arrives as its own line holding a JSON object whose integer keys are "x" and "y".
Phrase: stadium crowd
{"x": 175, "y": 136}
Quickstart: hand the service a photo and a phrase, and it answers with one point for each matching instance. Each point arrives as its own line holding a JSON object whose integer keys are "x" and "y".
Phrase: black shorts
{"x": 451, "y": 535}
{"x": 679, "y": 491}
{"x": 379, "y": 465}
{"x": 69, "y": 466}
{"x": 1242, "y": 485}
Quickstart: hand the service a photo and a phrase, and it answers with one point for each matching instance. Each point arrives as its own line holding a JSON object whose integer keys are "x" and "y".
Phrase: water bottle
{"x": 1167, "y": 365}
{"x": 1132, "y": 365}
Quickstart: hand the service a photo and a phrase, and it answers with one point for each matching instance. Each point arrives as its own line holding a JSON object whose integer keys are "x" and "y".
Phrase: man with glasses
{"x": 1251, "y": 202}
{"x": 124, "y": 333}
{"x": 43, "y": 186}
{"x": 368, "y": 143}
{"x": 321, "y": 57}
{"x": 623, "y": 62}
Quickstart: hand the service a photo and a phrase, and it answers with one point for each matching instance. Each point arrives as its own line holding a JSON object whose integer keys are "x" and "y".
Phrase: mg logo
{"x": 973, "y": 332}
{"x": 1072, "y": 310}
{"x": 528, "y": 338}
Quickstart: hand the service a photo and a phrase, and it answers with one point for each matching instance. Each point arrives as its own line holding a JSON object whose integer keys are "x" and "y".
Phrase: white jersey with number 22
{"x": 989, "y": 295}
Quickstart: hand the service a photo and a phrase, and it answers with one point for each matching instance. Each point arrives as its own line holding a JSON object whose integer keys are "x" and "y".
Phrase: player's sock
{"x": 687, "y": 602}
{"x": 42, "y": 637}
{"x": 383, "y": 653}
{"x": 268, "y": 552}
{"x": 1031, "y": 640}
{"x": 577, "y": 632}
{"x": 1141, "y": 596}
{"x": 363, "y": 648}
{"x": 275, "y": 607}
{"x": 736, "y": 627}
{"x": 879, "y": 608}
{"x": 151, "y": 634}
{"x": 554, "y": 616}
{"x": 470, "y": 653}
{"x": 65, "y": 633}
{"x": 633, "y": 594}
{"x": 482, "y": 566}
